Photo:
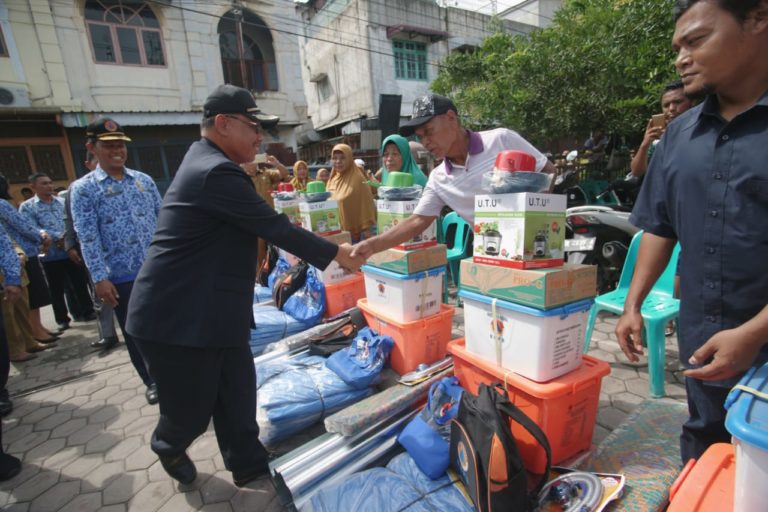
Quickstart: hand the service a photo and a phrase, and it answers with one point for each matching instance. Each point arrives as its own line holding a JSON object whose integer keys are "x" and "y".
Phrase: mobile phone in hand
{"x": 658, "y": 121}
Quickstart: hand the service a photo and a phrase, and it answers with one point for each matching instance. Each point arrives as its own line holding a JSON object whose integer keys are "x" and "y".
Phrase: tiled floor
{"x": 81, "y": 426}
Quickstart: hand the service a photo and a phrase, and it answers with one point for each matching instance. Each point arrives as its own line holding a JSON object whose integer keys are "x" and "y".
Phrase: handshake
{"x": 351, "y": 258}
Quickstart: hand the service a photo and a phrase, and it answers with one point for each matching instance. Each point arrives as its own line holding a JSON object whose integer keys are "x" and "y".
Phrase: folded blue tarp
{"x": 401, "y": 486}
{"x": 273, "y": 325}
{"x": 261, "y": 294}
{"x": 296, "y": 393}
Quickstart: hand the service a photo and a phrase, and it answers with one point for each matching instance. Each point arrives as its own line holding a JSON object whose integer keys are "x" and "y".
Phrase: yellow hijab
{"x": 298, "y": 184}
{"x": 349, "y": 188}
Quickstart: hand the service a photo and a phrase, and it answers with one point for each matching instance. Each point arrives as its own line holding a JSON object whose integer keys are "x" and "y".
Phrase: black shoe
{"x": 242, "y": 478}
{"x": 63, "y": 326}
{"x": 90, "y": 317}
{"x": 10, "y": 466}
{"x": 105, "y": 343}
{"x": 151, "y": 394}
{"x": 180, "y": 468}
{"x": 6, "y": 406}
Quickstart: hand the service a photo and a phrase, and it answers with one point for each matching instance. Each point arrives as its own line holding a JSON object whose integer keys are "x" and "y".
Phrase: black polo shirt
{"x": 707, "y": 186}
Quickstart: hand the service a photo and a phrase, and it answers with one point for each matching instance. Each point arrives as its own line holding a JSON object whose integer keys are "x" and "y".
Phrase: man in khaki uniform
{"x": 265, "y": 181}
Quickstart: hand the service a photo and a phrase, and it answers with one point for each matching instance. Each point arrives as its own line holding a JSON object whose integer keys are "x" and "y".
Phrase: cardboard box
{"x": 409, "y": 262}
{"x": 290, "y": 208}
{"x": 321, "y": 218}
{"x": 392, "y": 213}
{"x": 523, "y": 230}
{"x": 334, "y": 273}
{"x": 540, "y": 288}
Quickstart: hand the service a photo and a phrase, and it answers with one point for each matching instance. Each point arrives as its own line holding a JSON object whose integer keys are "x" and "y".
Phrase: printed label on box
{"x": 392, "y": 213}
{"x": 321, "y": 218}
{"x": 290, "y": 208}
{"x": 523, "y": 230}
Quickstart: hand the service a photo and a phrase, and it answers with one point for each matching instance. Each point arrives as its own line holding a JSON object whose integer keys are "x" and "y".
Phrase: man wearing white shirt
{"x": 466, "y": 156}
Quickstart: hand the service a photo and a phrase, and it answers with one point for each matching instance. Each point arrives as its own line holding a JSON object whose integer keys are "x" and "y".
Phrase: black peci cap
{"x": 106, "y": 129}
{"x": 230, "y": 99}
{"x": 424, "y": 109}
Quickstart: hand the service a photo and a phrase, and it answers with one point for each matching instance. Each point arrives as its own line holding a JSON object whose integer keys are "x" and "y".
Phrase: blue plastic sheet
{"x": 261, "y": 294}
{"x": 296, "y": 393}
{"x": 273, "y": 325}
{"x": 401, "y": 487}
{"x": 281, "y": 267}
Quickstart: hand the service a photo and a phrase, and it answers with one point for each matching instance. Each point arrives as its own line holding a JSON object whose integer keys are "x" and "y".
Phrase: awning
{"x": 434, "y": 35}
{"x": 82, "y": 119}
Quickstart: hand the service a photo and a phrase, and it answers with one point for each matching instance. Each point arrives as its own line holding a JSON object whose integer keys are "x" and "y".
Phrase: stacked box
{"x": 321, "y": 218}
{"x": 392, "y": 213}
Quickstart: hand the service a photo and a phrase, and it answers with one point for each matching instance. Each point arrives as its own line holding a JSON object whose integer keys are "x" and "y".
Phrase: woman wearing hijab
{"x": 396, "y": 157}
{"x": 349, "y": 187}
{"x": 300, "y": 176}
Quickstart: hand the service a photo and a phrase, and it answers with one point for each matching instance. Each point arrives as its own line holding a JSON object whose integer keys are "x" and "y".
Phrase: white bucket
{"x": 404, "y": 297}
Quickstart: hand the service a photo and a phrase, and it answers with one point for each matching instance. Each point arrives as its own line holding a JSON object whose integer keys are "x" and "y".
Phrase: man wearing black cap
{"x": 191, "y": 309}
{"x": 466, "y": 156}
{"x": 114, "y": 211}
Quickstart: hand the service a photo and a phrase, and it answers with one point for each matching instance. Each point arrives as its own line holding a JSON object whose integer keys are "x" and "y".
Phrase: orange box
{"x": 706, "y": 485}
{"x": 564, "y": 408}
{"x": 420, "y": 341}
{"x": 343, "y": 295}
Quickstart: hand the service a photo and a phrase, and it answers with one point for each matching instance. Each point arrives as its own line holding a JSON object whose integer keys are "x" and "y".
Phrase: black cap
{"x": 230, "y": 99}
{"x": 106, "y": 129}
{"x": 424, "y": 109}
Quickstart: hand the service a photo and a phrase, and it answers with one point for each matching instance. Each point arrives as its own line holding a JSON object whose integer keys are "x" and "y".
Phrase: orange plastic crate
{"x": 420, "y": 341}
{"x": 565, "y": 408}
{"x": 706, "y": 485}
{"x": 343, "y": 295}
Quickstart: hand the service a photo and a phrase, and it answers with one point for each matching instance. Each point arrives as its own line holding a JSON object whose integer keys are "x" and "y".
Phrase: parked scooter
{"x": 599, "y": 234}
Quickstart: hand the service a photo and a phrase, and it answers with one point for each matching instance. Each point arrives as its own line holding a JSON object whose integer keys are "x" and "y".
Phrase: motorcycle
{"x": 600, "y": 234}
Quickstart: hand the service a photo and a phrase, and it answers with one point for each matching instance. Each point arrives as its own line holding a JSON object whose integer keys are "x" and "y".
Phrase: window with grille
{"x": 124, "y": 32}
{"x": 19, "y": 162}
{"x": 410, "y": 60}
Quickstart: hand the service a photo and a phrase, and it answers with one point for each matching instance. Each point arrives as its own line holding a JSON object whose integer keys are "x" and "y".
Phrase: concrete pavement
{"x": 82, "y": 426}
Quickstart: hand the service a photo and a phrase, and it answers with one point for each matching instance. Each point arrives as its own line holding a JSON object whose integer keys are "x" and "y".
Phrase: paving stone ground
{"x": 81, "y": 427}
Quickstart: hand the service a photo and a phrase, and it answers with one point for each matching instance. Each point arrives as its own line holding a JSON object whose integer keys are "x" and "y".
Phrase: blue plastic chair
{"x": 659, "y": 307}
{"x": 458, "y": 246}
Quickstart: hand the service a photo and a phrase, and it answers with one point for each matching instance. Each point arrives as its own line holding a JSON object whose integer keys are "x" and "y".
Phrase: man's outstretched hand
{"x": 347, "y": 260}
{"x": 364, "y": 249}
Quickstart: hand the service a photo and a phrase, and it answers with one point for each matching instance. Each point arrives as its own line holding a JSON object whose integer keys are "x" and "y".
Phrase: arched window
{"x": 247, "y": 54}
{"x": 124, "y": 32}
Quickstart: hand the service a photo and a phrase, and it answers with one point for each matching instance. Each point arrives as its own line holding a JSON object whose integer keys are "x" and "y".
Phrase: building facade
{"x": 365, "y": 61}
{"x": 149, "y": 65}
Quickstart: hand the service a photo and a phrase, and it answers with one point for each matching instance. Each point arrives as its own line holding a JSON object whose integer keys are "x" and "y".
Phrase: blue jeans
{"x": 706, "y": 421}
{"x": 121, "y": 312}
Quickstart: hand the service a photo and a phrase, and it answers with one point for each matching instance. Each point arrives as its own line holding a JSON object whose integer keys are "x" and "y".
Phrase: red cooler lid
{"x": 515, "y": 161}
{"x": 284, "y": 187}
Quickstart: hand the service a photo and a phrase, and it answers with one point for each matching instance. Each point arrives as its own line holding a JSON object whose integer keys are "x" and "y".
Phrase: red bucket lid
{"x": 284, "y": 187}
{"x": 515, "y": 161}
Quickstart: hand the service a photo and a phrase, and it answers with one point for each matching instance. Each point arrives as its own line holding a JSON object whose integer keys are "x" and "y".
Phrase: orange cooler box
{"x": 420, "y": 341}
{"x": 344, "y": 295}
{"x": 564, "y": 408}
{"x": 706, "y": 485}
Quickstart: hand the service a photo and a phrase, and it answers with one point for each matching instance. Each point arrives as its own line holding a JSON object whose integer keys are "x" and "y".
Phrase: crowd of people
{"x": 146, "y": 259}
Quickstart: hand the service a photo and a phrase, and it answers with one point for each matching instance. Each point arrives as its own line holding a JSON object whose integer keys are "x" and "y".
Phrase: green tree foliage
{"x": 600, "y": 63}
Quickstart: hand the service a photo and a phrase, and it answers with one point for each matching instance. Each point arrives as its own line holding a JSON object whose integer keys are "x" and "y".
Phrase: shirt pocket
{"x": 757, "y": 188}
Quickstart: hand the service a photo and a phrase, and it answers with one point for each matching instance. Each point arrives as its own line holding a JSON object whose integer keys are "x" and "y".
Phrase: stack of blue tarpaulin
{"x": 273, "y": 325}
{"x": 296, "y": 393}
{"x": 400, "y": 486}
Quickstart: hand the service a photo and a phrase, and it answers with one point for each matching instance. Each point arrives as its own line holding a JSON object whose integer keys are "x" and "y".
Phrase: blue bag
{"x": 281, "y": 267}
{"x": 426, "y": 435}
{"x": 307, "y": 304}
{"x": 360, "y": 364}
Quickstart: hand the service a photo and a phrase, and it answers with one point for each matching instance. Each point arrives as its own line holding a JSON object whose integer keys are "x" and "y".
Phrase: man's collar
{"x": 711, "y": 106}
{"x": 38, "y": 199}
{"x": 475, "y": 147}
{"x": 101, "y": 174}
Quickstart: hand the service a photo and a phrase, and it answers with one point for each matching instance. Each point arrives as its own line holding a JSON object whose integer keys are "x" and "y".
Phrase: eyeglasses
{"x": 256, "y": 127}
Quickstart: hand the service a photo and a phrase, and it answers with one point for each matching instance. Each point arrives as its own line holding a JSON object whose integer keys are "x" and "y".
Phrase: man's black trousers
{"x": 197, "y": 384}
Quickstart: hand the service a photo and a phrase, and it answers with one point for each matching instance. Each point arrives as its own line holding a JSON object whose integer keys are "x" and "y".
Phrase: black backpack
{"x": 288, "y": 283}
{"x": 485, "y": 455}
{"x": 326, "y": 343}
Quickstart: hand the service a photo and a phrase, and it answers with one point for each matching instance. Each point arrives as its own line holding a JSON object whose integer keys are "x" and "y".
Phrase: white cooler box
{"x": 404, "y": 297}
{"x": 539, "y": 345}
{"x": 747, "y": 421}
